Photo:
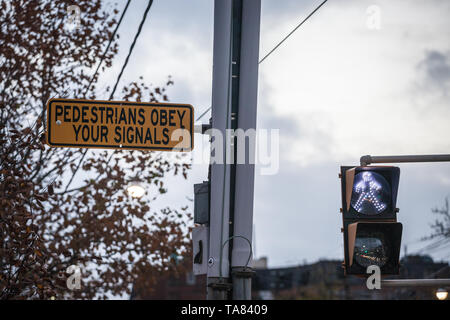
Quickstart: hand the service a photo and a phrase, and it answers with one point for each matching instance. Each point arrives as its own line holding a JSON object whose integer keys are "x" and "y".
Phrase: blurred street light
{"x": 441, "y": 294}
{"x": 135, "y": 190}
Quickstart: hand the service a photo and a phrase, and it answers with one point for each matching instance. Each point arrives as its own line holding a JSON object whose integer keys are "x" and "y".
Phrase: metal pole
{"x": 416, "y": 283}
{"x": 366, "y": 160}
{"x": 244, "y": 174}
{"x": 218, "y": 262}
{"x": 234, "y": 97}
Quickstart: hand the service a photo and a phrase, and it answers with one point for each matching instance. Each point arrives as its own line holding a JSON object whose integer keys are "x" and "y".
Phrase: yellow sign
{"x": 120, "y": 124}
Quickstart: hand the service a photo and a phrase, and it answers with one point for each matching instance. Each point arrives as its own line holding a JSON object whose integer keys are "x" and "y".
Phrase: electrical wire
{"x": 290, "y": 33}
{"x": 201, "y": 116}
{"x": 437, "y": 245}
{"x": 118, "y": 78}
{"x": 249, "y": 244}
{"x": 107, "y": 47}
{"x": 131, "y": 48}
{"x": 248, "y": 260}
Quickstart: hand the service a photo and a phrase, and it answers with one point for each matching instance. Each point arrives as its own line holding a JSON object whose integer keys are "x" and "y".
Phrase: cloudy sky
{"x": 336, "y": 90}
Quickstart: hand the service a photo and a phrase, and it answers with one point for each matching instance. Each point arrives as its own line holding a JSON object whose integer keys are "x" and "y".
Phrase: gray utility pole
{"x": 234, "y": 101}
{"x": 247, "y": 56}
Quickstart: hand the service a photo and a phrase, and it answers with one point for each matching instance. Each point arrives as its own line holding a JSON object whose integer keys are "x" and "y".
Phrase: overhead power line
{"x": 271, "y": 51}
{"x": 89, "y": 86}
{"x": 107, "y": 47}
{"x": 101, "y": 59}
{"x": 290, "y": 33}
{"x": 131, "y": 48}
{"x": 118, "y": 78}
{"x": 96, "y": 71}
{"x": 201, "y": 116}
{"x": 437, "y": 245}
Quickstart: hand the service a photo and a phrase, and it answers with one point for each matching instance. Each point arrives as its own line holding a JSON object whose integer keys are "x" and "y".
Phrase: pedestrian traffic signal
{"x": 372, "y": 235}
{"x": 370, "y": 192}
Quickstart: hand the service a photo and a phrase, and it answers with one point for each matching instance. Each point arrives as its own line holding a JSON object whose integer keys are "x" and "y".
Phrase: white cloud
{"x": 335, "y": 77}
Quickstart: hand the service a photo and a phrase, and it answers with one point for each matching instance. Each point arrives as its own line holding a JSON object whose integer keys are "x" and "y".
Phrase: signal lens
{"x": 371, "y": 193}
{"x": 371, "y": 249}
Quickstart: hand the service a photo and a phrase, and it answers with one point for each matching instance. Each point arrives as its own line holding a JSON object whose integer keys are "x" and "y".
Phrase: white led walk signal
{"x": 371, "y": 193}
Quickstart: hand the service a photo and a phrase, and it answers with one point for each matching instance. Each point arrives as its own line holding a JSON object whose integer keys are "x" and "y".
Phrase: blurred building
{"x": 325, "y": 280}
{"x": 321, "y": 280}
